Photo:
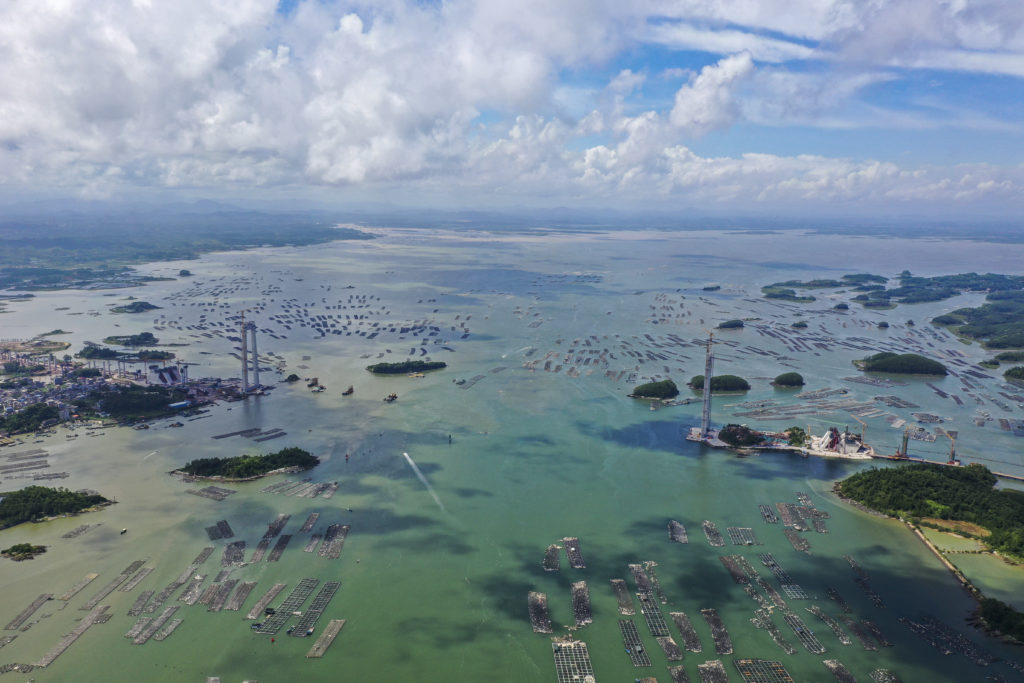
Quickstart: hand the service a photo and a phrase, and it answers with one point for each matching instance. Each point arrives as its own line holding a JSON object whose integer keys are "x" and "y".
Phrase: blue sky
{"x": 797, "y": 106}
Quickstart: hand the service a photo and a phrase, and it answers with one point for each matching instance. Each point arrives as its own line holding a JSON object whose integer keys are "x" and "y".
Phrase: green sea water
{"x": 435, "y": 572}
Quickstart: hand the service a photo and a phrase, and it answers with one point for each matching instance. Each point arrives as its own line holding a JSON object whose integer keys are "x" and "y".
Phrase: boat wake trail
{"x": 430, "y": 489}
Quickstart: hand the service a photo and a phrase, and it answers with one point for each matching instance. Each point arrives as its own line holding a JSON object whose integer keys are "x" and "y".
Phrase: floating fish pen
{"x": 865, "y": 585}
{"x": 273, "y": 623}
{"x": 113, "y": 585}
{"x": 304, "y": 626}
{"x": 652, "y": 615}
{"x": 669, "y": 647}
{"x": 653, "y": 575}
{"x": 790, "y": 516}
{"x": 754, "y": 595}
{"x": 581, "y": 603}
{"x": 678, "y": 674}
{"x": 860, "y": 633}
{"x": 819, "y": 526}
{"x": 333, "y": 541}
{"x": 240, "y": 595}
{"x": 140, "y": 602}
{"x": 799, "y": 543}
{"x": 136, "y": 580}
{"x": 794, "y": 591}
{"x": 771, "y": 592}
{"x": 742, "y": 536}
{"x": 723, "y": 643}
{"x": 262, "y": 603}
{"x": 834, "y": 595}
{"x": 762, "y": 671}
{"x": 768, "y": 515}
{"x": 634, "y": 646}
{"x": 768, "y": 560}
{"x": 326, "y": 638}
{"x": 540, "y": 618}
{"x": 572, "y": 551}
{"x": 947, "y": 640}
{"x": 713, "y": 535}
{"x": 79, "y": 530}
{"x": 622, "y": 597}
{"x": 137, "y": 628}
{"x": 209, "y": 593}
{"x": 831, "y": 623}
{"x": 216, "y": 604}
{"x": 734, "y": 569}
{"x": 803, "y": 634}
{"x": 203, "y": 555}
{"x": 260, "y": 551}
{"x": 279, "y": 547}
{"x": 691, "y": 641}
{"x": 310, "y": 521}
{"x": 762, "y": 619}
{"x": 212, "y": 492}
{"x": 572, "y": 661}
{"x": 154, "y": 625}
{"x": 552, "y": 559}
{"x": 312, "y": 543}
{"x": 168, "y": 629}
{"x": 223, "y": 574}
{"x": 640, "y": 578}
{"x": 840, "y": 672}
{"x": 23, "y": 616}
{"x": 219, "y": 530}
{"x": 193, "y": 591}
{"x": 234, "y": 553}
{"x": 275, "y": 527}
{"x": 884, "y": 676}
{"x": 712, "y": 672}
{"x": 876, "y": 632}
{"x": 676, "y": 532}
{"x": 97, "y": 615}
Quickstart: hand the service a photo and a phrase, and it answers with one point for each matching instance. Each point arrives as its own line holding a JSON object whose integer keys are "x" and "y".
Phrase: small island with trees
{"x": 248, "y": 467}
{"x": 36, "y": 503}
{"x": 900, "y": 364}
{"x": 664, "y": 389}
{"x": 141, "y": 339}
{"x": 405, "y": 367}
{"x": 731, "y": 325}
{"x": 720, "y": 383}
{"x": 789, "y": 379}
{"x": 1015, "y": 374}
{"x": 23, "y": 551}
{"x": 134, "y": 307}
{"x": 739, "y": 436}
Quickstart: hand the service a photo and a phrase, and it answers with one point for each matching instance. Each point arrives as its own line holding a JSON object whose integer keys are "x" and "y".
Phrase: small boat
{"x": 390, "y": 398}
{"x": 348, "y": 392}
{"x": 124, "y": 531}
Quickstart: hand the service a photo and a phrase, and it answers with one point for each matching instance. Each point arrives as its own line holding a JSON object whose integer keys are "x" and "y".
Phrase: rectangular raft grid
{"x": 622, "y": 596}
{"x": 82, "y": 583}
{"x": 652, "y": 615}
{"x": 572, "y": 661}
{"x": 325, "y": 639}
{"x": 742, "y": 536}
{"x": 316, "y": 609}
{"x": 262, "y": 603}
{"x": 96, "y": 616}
{"x": 113, "y": 585}
{"x": 634, "y": 646}
{"x": 23, "y": 616}
{"x": 763, "y": 671}
{"x": 238, "y": 599}
{"x": 292, "y": 603}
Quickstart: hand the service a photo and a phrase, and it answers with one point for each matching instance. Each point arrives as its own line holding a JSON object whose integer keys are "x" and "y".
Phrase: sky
{"x": 869, "y": 107}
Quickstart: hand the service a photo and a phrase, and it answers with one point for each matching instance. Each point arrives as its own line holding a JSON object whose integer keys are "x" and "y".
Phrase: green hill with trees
{"x": 29, "y": 419}
{"x": 38, "y": 502}
{"x": 789, "y": 379}
{"x": 666, "y": 388}
{"x": 250, "y": 466}
{"x": 1015, "y": 374}
{"x": 405, "y": 367}
{"x": 739, "y": 435}
{"x": 901, "y": 364}
{"x": 720, "y": 383}
{"x": 964, "y": 494}
{"x": 730, "y": 325}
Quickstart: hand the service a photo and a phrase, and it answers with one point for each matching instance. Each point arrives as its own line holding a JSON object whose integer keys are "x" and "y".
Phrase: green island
{"x": 23, "y": 551}
{"x": 789, "y": 379}
{"x": 711, "y": 288}
{"x": 998, "y": 324}
{"x": 841, "y": 307}
{"x": 1010, "y": 357}
{"x": 132, "y": 402}
{"x": 30, "y": 419}
{"x": 405, "y": 367}
{"x": 141, "y": 339}
{"x": 1015, "y": 374}
{"x": 961, "y": 500}
{"x": 666, "y": 388}
{"x": 134, "y": 307}
{"x": 244, "y": 467}
{"x": 292, "y": 378}
{"x": 900, "y": 364}
{"x": 93, "y": 352}
{"x": 785, "y": 294}
{"x": 39, "y": 502}
{"x": 800, "y": 324}
{"x": 730, "y": 325}
{"x": 720, "y": 383}
{"x": 184, "y": 272}
{"x": 739, "y": 436}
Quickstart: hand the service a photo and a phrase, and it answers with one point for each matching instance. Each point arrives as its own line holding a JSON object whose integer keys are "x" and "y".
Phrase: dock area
{"x": 326, "y": 638}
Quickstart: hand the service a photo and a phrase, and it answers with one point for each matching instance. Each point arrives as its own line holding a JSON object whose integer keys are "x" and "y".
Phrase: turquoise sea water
{"x": 435, "y": 588}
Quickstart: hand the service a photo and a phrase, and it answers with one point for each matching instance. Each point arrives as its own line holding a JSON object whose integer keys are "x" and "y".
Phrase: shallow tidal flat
{"x": 538, "y": 444}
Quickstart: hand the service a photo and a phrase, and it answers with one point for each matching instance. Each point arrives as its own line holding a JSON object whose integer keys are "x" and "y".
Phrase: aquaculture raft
{"x": 572, "y": 661}
{"x": 325, "y": 639}
{"x": 634, "y": 646}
